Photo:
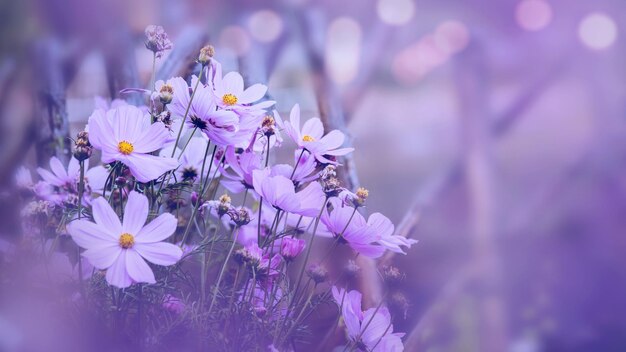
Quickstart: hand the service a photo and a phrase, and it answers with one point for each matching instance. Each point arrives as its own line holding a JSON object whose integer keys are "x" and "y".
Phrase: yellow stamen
{"x": 125, "y": 147}
{"x": 229, "y": 99}
{"x": 127, "y": 240}
{"x": 308, "y": 138}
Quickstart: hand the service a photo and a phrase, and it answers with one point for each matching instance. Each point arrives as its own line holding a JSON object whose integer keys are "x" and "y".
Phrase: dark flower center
{"x": 198, "y": 122}
{"x": 189, "y": 173}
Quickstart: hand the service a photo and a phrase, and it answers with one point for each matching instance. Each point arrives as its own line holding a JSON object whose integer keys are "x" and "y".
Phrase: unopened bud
{"x": 268, "y": 126}
{"x": 82, "y": 147}
{"x": 290, "y": 248}
{"x": 166, "y": 93}
{"x": 206, "y": 53}
{"x": 224, "y": 205}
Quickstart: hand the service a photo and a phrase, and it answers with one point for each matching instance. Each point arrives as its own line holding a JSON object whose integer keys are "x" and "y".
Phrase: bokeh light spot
{"x": 533, "y": 15}
{"x": 236, "y": 39}
{"x": 395, "y": 12}
{"x": 452, "y": 36}
{"x": 343, "y": 49}
{"x": 597, "y": 31}
{"x": 265, "y": 25}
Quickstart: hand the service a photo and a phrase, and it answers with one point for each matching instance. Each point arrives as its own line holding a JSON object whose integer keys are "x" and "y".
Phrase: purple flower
{"x": 384, "y": 228}
{"x": 351, "y": 229}
{"x": 230, "y": 93}
{"x": 66, "y": 180}
{"x": 370, "y": 330}
{"x": 157, "y": 40}
{"x": 23, "y": 178}
{"x": 242, "y": 165}
{"x": 219, "y": 126}
{"x": 280, "y": 192}
{"x": 191, "y": 161}
{"x": 311, "y": 137}
{"x": 125, "y": 134}
{"x": 290, "y": 248}
{"x": 122, "y": 248}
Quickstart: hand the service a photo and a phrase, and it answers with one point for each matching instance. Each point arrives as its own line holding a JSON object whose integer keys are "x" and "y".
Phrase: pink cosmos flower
{"x": 66, "y": 180}
{"x": 242, "y": 165}
{"x": 125, "y": 134}
{"x": 384, "y": 228}
{"x": 230, "y": 93}
{"x": 122, "y": 248}
{"x": 191, "y": 161}
{"x": 352, "y": 229}
{"x": 311, "y": 137}
{"x": 219, "y": 126}
{"x": 279, "y": 191}
{"x": 370, "y": 330}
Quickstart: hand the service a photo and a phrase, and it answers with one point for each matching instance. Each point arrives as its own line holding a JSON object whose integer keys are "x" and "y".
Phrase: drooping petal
{"x": 105, "y": 217}
{"x": 160, "y": 253}
{"x": 158, "y": 229}
{"x": 147, "y": 167}
{"x": 252, "y": 94}
{"x": 117, "y": 275}
{"x": 103, "y": 257}
{"x": 135, "y": 213}
{"x": 89, "y": 235}
{"x": 137, "y": 268}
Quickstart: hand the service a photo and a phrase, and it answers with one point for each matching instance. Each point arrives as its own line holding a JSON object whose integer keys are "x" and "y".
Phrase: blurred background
{"x": 492, "y": 131}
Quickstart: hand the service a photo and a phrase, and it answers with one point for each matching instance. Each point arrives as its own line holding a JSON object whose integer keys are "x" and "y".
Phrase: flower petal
{"x": 160, "y": 253}
{"x": 86, "y": 234}
{"x": 104, "y": 216}
{"x": 137, "y": 268}
{"x": 103, "y": 257}
{"x": 252, "y": 94}
{"x": 135, "y": 213}
{"x": 158, "y": 229}
{"x": 147, "y": 167}
{"x": 151, "y": 139}
{"x": 117, "y": 275}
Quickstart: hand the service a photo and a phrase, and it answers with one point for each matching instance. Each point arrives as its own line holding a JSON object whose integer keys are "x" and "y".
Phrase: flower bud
{"x": 166, "y": 93}
{"x": 240, "y": 216}
{"x": 82, "y": 147}
{"x": 224, "y": 205}
{"x": 317, "y": 273}
{"x": 120, "y": 181}
{"x": 268, "y": 126}
{"x": 206, "y": 53}
{"x": 329, "y": 181}
{"x": 157, "y": 40}
{"x": 194, "y": 197}
{"x": 290, "y": 248}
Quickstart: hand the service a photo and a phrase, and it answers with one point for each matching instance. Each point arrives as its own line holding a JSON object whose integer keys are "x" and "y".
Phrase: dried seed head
{"x": 392, "y": 274}
{"x": 206, "y": 53}
{"x": 318, "y": 273}
{"x": 157, "y": 40}
{"x": 399, "y": 303}
{"x": 240, "y": 216}
{"x": 268, "y": 127}
{"x": 165, "y": 117}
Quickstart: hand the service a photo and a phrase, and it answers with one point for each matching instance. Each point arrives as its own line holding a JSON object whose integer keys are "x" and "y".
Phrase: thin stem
{"x": 180, "y": 130}
{"x": 219, "y": 278}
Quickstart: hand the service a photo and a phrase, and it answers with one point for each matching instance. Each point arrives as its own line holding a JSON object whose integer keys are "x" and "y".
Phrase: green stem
{"x": 221, "y": 275}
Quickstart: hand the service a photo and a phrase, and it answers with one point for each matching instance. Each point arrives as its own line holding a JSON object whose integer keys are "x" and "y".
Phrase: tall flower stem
{"x": 81, "y": 190}
{"x": 224, "y": 265}
{"x": 182, "y": 125}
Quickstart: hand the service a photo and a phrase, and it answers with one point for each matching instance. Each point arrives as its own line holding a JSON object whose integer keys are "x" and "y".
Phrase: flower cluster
{"x": 149, "y": 216}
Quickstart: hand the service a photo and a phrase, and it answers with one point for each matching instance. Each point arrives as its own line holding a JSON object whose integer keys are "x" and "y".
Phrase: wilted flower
{"x": 206, "y": 54}
{"x": 329, "y": 181}
{"x": 122, "y": 247}
{"x": 356, "y": 199}
{"x": 166, "y": 93}
{"x": 317, "y": 272}
{"x": 157, "y": 40}
{"x": 126, "y": 135}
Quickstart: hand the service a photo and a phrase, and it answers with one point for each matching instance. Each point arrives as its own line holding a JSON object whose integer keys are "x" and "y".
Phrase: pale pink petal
{"x": 89, "y": 235}
{"x": 160, "y": 253}
{"x": 129, "y": 123}
{"x": 104, "y": 216}
{"x": 314, "y": 128}
{"x": 152, "y": 139}
{"x": 103, "y": 257}
{"x": 135, "y": 213}
{"x": 100, "y": 132}
{"x": 252, "y": 94}
{"x": 333, "y": 140}
{"x": 137, "y": 268}
{"x": 383, "y": 226}
{"x": 49, "y": 177}
{"x": 158, "y": 229}
{"x": 57, "y": 168}
{"x": 117, "y": 275}
{"x": 73, "y": 168}
{"x": 233, "y": 83}
{"x": 147, "y": 167}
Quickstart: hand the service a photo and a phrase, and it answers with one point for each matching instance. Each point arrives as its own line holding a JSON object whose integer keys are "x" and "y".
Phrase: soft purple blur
{"x": 491, "y": 131}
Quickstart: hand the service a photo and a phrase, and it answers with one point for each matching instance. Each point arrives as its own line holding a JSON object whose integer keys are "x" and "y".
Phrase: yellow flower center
{"x": 229, "y": 99}
{"x": 308, "y": 138}
{"x": 127, "y": 240}
{"x": 125, "y": 147}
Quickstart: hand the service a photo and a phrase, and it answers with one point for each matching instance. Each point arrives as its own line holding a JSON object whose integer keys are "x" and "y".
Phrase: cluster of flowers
{"x": 154, "y": 203}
